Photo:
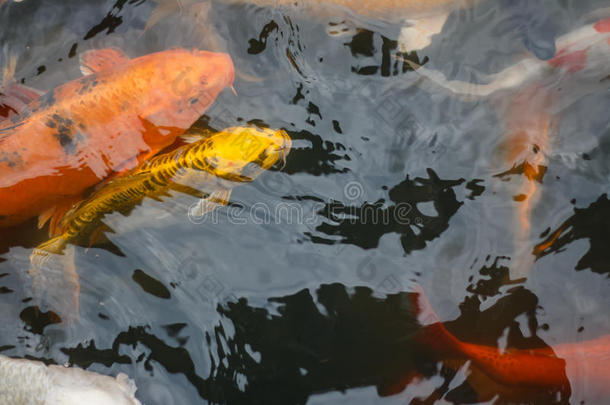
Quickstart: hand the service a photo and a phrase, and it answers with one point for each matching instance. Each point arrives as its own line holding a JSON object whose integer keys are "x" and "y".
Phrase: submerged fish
{"x": 422, "y": 18}
{"x": 529, "y": 98}
{"x": 579, "y": 370}
{"x": 528, "y": 127}
{"x": 206, "y": 169}
{"x": 27, "y": 382}
{"x": 122, "y": 112}
{"x": 582, "y": 56}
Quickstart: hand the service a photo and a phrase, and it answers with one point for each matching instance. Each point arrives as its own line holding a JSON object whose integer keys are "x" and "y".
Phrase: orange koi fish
{"x": 529, "y": 98}
{"x": 56, "y": 146}
{"x": 578, "y": 369}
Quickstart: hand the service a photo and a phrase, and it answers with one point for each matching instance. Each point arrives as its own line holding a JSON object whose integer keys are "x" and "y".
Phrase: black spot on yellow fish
{"x": 150, "y": 284}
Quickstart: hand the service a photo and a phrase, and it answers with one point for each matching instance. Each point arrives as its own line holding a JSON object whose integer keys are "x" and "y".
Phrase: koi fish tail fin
{"x": 433, "y": 334}
{"x": 417, "y": 34}
{"x": 54, "y": 278}
{"x": 43, "y": 252}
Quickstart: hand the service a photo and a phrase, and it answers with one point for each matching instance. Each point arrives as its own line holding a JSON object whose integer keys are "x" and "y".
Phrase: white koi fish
{"x": 27, "y": 382}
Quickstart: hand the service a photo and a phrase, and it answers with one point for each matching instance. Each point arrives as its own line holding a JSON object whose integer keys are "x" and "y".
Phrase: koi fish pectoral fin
{"x": 208, "y": 204}
{"x": 417, "y": 34}
{"x": 98, "y": 60}
{"x": 54, "y": 278}
{"x": 55, "y": 215}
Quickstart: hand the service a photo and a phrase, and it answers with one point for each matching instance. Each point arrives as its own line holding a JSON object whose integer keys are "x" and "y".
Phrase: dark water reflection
{"x": 291, "y": 295}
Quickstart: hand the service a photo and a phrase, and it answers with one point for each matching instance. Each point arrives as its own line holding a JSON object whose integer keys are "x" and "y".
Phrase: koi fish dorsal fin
{"x": 97, "y": 60}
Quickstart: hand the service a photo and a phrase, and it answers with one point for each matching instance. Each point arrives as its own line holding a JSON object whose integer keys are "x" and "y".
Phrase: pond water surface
{"x": 298, "y": 291}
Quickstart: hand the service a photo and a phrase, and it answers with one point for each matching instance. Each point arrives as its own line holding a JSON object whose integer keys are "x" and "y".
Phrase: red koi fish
{"x": 579, "y": 370}
{"x": 54, "y": 147}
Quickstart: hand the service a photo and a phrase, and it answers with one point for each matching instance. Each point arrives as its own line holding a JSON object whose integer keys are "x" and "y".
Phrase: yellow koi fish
{"x": 206, "y": 169}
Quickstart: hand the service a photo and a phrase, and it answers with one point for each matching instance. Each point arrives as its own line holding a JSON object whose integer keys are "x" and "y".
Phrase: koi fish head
{"x": 184, "y": 83}
{"x": 242, "y": 154}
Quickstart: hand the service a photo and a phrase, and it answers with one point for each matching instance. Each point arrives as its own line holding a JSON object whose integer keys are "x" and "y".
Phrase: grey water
{"x": 296, "y": 292}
